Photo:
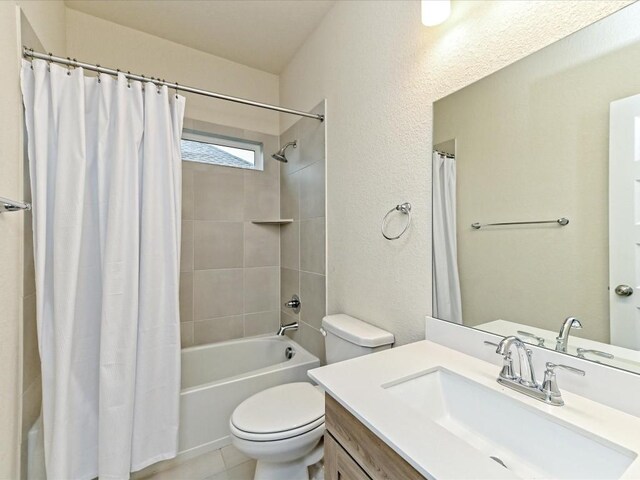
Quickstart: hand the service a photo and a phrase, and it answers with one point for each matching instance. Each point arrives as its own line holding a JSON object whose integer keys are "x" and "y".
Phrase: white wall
{"x": 380, "y": 71}
{"x": 10, "y": 245}
{"x": 94, "y": 40}
{"x": 47, "y": 18}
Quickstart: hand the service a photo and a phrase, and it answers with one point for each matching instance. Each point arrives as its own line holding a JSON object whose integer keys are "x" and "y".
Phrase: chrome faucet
{"x": 294, "y": 304}
{"x": 284, "y": 328}
{"x": 550, "y": 385}
{"x": 563, "y": 337}
{"x": 527, "y": 375}
{"x": 547, "y": 392}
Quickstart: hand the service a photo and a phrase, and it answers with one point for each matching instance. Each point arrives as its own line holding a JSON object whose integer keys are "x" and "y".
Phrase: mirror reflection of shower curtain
{"x": 447, "y": 303}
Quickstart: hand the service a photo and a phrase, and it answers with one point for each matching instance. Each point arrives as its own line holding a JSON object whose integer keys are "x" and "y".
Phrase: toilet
{"x": 282, "y": 427}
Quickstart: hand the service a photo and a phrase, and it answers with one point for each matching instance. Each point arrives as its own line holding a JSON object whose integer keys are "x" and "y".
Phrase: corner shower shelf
{"x": 275, "y": 221}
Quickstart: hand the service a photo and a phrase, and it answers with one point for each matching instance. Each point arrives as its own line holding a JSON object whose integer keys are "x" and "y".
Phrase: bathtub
{"x": 218, "y": 376}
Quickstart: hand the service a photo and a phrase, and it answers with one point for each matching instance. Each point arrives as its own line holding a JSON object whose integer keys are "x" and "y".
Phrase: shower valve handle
{"x": 294, "y": 304}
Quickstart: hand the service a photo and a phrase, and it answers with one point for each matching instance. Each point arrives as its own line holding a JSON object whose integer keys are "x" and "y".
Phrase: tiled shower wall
{"x": 302, "y": 243}
{"x": 230, "y": 267}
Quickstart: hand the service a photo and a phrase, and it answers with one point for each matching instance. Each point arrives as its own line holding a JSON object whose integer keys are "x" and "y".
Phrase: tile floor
{"x": 224, "y": 464}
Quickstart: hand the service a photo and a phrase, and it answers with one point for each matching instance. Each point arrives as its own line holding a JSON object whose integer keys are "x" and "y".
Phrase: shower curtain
{"x": 447, "y": 303}
{"x": 105, "y": 172}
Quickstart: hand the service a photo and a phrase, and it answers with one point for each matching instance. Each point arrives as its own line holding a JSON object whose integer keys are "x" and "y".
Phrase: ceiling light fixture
{"x": 434, "y": 12}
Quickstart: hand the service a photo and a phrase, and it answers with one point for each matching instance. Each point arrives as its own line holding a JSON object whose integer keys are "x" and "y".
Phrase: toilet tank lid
{"x": 356, "y": 331}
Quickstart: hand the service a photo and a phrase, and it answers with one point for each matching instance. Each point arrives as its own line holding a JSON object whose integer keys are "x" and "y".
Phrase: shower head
{"x": 280, "y": 156}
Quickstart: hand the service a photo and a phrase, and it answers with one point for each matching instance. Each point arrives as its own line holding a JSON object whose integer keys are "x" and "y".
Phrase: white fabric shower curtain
{"x": 447, "y": 302}
{"x": 105, "y": 169}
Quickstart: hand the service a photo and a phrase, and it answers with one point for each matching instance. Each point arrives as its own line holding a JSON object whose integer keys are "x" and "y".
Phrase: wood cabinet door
{"x": 338, "y": 465}
{"x": 370, "y": 453}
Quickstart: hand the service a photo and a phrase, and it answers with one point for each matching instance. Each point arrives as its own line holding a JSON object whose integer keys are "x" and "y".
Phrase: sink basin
{"x": 523, "y": 439}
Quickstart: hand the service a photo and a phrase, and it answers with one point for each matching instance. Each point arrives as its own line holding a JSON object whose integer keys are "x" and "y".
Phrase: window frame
{"x": 224, "y": 141}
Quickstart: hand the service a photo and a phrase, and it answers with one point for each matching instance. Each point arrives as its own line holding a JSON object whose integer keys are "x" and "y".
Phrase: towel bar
{"x": 7, "y": 205}
{"x": 560, "y": 221}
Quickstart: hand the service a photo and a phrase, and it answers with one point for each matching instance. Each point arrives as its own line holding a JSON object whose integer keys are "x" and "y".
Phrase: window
{"x": 218, "y": 150}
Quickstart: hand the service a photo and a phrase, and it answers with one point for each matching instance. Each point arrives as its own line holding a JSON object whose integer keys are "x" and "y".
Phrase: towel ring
{"x": 404, "y": 208}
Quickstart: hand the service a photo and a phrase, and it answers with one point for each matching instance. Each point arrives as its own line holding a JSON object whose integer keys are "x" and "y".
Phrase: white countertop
{"x": 431, "y": 449}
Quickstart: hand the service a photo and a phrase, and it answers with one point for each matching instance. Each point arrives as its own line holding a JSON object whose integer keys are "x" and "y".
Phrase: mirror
{"x": 536, "y": 197}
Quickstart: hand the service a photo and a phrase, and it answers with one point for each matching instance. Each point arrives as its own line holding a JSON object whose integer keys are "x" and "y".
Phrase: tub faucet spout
{"x": 284, "y": 328}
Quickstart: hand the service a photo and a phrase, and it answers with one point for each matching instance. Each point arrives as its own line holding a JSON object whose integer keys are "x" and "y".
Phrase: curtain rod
{"x": 29, "y": 53}
{"x": 448, "y": 155}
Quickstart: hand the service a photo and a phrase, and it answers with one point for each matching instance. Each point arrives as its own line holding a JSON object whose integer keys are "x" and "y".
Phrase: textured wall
{"x": 47, "y": 19}
{"x": 98, "y": 41}
{"x": 533, "y": 143}
{"x": 10, "y": 244}
{"x": 31, "y": 377}
{"x": 380, "y": 70}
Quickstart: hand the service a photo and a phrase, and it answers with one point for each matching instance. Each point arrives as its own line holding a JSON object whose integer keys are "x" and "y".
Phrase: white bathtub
{"x": 218, "y": 376}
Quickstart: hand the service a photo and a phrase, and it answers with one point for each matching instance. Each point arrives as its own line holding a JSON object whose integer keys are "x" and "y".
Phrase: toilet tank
{"x": 349, "y": 337}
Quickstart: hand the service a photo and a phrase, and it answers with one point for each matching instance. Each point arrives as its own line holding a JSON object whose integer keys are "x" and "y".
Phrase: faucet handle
{"x": 550, "y": 384}
{"x": 551, "y": 367}
{"x": 294, "y": 304}
{"x": 599, "y": 353}
{"x": 507, "y": 362}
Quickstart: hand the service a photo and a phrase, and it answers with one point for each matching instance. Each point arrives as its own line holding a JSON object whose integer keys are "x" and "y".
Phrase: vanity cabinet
{"x": 338, "y": 464}
{"x": 353, "y": 452}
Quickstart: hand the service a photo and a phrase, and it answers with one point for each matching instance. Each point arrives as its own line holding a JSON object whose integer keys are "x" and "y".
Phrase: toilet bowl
{"x": 282, "y": 427}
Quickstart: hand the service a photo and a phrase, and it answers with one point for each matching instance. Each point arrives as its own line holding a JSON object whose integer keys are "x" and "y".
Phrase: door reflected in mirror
{"x": 536, "y": 197}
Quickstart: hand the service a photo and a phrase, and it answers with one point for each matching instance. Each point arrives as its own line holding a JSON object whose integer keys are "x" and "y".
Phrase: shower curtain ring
{"x": 128, "y": 79}
{"x": 69, "y": 66}
{"x": 49, "y": 61}
{"x": 99, "y": 79}
{"x": 176, "y": 90}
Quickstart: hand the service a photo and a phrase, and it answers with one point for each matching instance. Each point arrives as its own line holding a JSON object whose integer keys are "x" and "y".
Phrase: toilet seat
{"x": 274, "y": 436}
{"x": 278, "y": 413}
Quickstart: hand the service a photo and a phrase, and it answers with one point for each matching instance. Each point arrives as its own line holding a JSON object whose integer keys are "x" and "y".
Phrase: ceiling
{"x": 264, "y": 34}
